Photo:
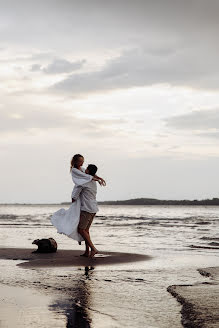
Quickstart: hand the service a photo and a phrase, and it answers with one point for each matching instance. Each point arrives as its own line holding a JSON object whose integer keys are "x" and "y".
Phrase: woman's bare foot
{"x": 85, "y": 254}
{"x": 93, "y": 252}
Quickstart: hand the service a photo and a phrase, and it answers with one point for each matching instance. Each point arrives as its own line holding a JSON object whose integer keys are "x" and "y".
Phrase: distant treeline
{"x": 140, "y": 201}
{"x": 152, "y": 201}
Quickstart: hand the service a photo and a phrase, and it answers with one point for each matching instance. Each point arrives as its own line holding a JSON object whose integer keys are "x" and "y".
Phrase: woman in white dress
{"x": 66, "y": 221}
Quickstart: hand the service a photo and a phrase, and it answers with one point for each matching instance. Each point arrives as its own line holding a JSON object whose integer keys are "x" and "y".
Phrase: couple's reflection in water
{"x": 76, "y": 308}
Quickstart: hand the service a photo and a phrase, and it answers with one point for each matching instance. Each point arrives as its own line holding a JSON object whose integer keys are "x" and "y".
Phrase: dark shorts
{"x": 86, "y": 220}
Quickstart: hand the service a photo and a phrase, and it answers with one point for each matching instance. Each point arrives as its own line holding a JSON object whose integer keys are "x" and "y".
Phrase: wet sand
{"x": 58, "y": 287}
{"x": 64, "y": 258}
{"x": 52, "y": 289}
{"x": 115, "y": 289}
{"x": 26, "y": 307}
{"x": 200, "y": 302}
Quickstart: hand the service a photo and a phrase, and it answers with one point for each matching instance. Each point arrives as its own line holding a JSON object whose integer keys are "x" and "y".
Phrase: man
{"x": 89, "y": 208}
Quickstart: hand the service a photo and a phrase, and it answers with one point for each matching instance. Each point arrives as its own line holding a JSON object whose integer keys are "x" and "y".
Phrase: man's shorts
{"x": 85, "y": 220}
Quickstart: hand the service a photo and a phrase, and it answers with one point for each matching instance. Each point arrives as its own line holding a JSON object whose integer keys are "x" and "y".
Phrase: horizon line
{"x": 102, "y": 201}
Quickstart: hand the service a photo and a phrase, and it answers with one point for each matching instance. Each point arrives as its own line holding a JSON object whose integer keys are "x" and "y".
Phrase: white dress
{"x": 66, "y": 221}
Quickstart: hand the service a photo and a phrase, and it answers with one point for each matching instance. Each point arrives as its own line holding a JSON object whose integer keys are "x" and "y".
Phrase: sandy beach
{"x": 33, "y": 292}
{"x": 200, "y": 302}
{"x": 145, "y": 275}
{"x": 36, "y": 288}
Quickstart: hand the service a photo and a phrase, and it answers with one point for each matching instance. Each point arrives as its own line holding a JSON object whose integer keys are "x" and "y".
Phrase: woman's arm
{"x": 79, "y": 178}
{"x": 101, "y": 181}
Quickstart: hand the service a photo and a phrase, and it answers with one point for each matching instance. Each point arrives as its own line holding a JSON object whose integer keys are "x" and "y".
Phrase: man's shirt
{"x": 87, "y": 193}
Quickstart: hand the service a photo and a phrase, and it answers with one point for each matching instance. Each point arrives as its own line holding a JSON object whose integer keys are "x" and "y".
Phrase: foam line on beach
{"x": 200, "y": 302}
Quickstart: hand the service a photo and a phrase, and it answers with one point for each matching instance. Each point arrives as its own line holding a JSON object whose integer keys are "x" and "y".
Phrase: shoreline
{"x": 200, "y": 302}
{"x": 104, "y": 204}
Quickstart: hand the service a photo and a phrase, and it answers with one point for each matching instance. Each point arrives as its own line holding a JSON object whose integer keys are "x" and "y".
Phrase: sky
{"x": 131, "y": 85}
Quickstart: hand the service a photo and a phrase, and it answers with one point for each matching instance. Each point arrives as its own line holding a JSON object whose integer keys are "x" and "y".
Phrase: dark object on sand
{"x": 45, "y": 245}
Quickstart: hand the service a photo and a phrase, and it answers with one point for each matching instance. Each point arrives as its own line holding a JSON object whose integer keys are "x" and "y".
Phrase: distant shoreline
{"x": 140, "y": 201}
{"x": 153, "y": 201}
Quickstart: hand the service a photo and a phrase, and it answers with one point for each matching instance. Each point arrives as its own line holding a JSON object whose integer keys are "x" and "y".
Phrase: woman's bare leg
{"x": 88, "y": 241}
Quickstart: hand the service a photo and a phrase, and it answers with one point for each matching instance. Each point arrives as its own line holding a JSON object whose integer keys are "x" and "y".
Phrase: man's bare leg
{"x": 88, "y": 241}
{"x": 87, "y": 251}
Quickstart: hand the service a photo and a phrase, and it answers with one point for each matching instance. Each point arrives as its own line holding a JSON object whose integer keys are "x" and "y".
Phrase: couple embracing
{"x": 76, "y": 221}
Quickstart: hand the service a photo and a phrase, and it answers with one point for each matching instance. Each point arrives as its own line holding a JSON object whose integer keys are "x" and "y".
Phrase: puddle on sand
{"x": 21, "y": 307}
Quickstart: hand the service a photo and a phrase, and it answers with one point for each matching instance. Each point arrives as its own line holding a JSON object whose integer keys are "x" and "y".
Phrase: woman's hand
{"x": 102, "y": 182}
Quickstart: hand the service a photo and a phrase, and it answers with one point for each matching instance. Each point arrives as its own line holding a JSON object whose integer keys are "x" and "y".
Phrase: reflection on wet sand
{"x": 77, "y": 298}
{"x": 76, "y": 309}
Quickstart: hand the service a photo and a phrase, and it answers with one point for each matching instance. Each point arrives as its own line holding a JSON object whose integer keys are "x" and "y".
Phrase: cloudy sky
{"x": 132, "y": 85}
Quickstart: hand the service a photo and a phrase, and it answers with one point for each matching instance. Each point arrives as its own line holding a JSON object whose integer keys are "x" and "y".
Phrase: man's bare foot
{"x": 93, "y": 252}
{"x": 85, "y": 254}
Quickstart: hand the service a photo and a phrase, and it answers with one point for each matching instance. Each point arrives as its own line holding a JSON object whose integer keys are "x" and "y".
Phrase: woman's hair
{"x": 74, "y": 161}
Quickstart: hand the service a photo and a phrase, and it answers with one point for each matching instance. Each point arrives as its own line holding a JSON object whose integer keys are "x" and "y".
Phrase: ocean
{"x": 177, "y": 239}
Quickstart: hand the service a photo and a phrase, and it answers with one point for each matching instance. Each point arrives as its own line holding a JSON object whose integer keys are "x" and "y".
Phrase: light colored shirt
{"x": 80, "y": 177}
{"x": 87, "y": 193}
{"x": 66, "y": 221}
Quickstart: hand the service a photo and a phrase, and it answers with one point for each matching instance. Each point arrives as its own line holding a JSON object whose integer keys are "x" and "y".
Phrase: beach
{"x": 146, "y": 275}
{"x": 200, "y": 302}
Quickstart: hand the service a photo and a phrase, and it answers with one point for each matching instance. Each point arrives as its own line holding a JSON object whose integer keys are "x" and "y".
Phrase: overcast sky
{"x": 131, "y": 85}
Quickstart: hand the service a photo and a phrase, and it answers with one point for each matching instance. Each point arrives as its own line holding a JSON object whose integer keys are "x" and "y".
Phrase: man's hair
{"x": 92, "y": 169}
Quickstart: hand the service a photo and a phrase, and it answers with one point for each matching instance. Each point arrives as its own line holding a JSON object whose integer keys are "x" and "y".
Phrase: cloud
{"x": 172, "y": 42}
{"x": 15, "y": 120}
{"x": 126, "y": 13}
{"x": 30, "y": 57}
{"x": 96, "y": 25}
{"x": 144, "y": 66}
{"x": 30, "y": 120}
{"x": 35, "y": 68}
{"x": 203, "y": 123}
{"x": 196, "y": 120}
{"x": 63, "y": 66}
{"x": 58, "y": 66}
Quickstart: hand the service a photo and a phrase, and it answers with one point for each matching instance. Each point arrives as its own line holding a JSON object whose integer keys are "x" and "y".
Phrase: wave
{"x": 210, "y": 238}
{"x": 43, "y": 220}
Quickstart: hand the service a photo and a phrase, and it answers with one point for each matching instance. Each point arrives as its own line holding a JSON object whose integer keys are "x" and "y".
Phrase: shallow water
{"x": 132, "y": 294}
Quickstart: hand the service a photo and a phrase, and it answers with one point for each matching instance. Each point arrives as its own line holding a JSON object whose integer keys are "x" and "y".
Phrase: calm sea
{"x": 124, "y": 228}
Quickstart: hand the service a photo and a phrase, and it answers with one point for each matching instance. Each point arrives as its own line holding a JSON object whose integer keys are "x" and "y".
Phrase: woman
{"x": 66, "y": 221}
{"x": 76, "y": 164}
